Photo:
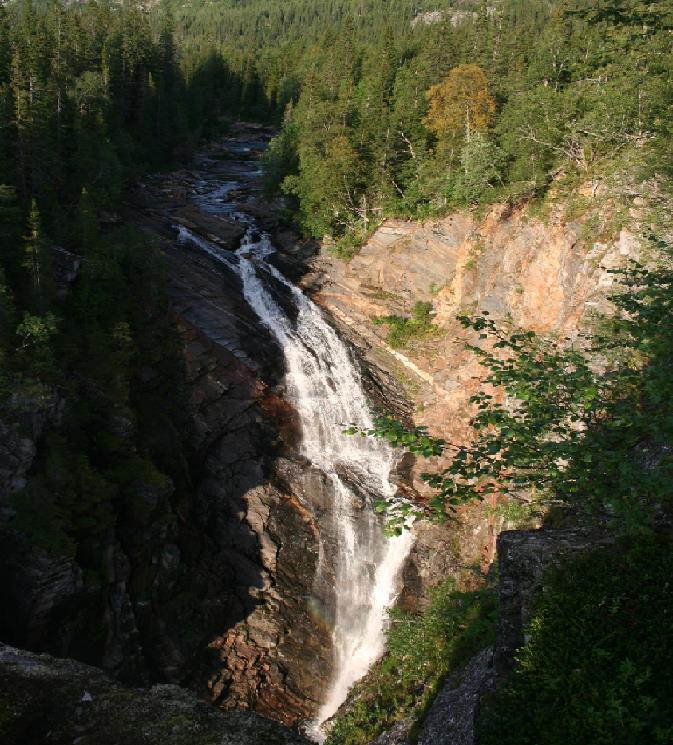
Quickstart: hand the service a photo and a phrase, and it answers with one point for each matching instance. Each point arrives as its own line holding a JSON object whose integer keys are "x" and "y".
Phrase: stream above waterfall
{"x": 358, "y": 567}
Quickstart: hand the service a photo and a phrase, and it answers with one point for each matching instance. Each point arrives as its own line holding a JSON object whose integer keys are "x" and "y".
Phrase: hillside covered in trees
{"x": 380, "y": 98}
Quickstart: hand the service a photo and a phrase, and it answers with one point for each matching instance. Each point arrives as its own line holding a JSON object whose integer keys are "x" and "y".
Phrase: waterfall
{"x": 324, "y": 386}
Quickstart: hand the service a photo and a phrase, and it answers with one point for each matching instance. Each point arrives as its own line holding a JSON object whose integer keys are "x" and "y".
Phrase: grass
{"x": 423, "y": 648}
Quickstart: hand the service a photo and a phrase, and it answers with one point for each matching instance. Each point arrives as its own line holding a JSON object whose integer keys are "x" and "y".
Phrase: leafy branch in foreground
{"x": 521, "y": 441}
{"x": 591, "y": 427}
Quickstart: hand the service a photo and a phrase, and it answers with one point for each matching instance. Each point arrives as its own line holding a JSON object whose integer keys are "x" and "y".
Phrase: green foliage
{"x": 480, "y": 169}
{"x": 402, "y": 331}
{"x": 35, "y": 331}
{"x": 423, "y": 648}
{"x": 67, "y": 507}
{"x": 548, "y": 420}
{"x": 280, "y": 157}
{"x": 349, "y": 80}
{"x": 34, "y": 356}
{"x": 596, "y": 668}
{"x": 516, "y": 515}
{"x": 120, "y": 448}
{"x": 91, "y": 94}
{"x": 542, "y": 81}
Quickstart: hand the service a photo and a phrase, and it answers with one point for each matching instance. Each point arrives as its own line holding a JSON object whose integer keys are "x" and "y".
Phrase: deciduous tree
{"x": 461, "y": 103}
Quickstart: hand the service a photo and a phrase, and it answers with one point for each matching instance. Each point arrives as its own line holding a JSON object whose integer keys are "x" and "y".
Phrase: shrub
{"x": 597, "y": 667}
{"x": 401, "y": 331}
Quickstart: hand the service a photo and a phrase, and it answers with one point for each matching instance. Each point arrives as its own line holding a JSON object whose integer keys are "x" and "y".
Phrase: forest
{"x": 91, "y": 97}
{"x": 380, "y": 109}
{"x": 495, "y": 109}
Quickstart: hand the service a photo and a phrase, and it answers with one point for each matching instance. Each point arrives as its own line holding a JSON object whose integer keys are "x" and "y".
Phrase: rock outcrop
{"x": 547, "y": 276}
{"x": 523, "y": 558}
{"x": 60, "y": 702}
{"x": 452, "y": 716}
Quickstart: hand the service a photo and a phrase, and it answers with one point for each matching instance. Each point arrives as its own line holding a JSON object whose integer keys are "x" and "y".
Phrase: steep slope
{"x": 549, "y": 273}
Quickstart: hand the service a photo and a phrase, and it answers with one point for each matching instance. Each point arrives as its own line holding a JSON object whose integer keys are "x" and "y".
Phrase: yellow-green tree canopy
{"x": 460, "y": 103}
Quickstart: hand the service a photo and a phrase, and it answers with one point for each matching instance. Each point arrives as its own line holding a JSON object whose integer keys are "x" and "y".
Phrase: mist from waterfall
{"x": 324, "y": 386}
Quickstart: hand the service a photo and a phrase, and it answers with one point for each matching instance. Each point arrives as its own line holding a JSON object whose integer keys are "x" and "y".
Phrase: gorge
{"x": 358, "y": 566}
{"x": 276, "y": 275}
{"x": 264, "y": 586}
{"x": 267, "y": 588}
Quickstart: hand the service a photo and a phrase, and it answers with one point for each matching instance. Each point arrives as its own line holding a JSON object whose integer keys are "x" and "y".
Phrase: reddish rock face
{"x": 546, "y": 276}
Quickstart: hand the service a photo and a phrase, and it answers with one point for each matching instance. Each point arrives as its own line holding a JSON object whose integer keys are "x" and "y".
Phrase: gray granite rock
{"x": 451, "y": 718}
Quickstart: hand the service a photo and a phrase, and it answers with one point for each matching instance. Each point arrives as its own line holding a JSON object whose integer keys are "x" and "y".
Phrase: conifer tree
{"x": 33, "y": 248}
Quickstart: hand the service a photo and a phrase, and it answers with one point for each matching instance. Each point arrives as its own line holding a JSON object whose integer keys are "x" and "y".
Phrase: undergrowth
{"x": 423, "y": 648}
{"x": 597, "y": 667}
{"x": 402, "y": 331}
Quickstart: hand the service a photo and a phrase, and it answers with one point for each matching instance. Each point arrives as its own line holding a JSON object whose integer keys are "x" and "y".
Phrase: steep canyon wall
{"x": 212, "y": 586}
{"x": 550, "y": 273}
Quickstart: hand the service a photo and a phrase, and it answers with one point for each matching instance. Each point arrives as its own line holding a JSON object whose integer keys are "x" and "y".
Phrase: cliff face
{"x": 207, "y": 583}
{"x": 205, "y": 586}
{"x": 252, "y": 544}
{"x": 549, "y": 275}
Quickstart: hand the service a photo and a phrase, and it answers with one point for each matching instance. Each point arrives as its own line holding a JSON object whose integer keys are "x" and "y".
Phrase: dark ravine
{"x": 213, "y": 595}
{"x": 274, "y": 655}
{"x": 213, "y": 588}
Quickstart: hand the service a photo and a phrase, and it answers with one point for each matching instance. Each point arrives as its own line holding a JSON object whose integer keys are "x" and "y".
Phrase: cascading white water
{"x": 324, "y": 386}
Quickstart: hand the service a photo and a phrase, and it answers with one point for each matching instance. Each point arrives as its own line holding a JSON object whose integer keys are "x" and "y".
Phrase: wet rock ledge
{"x": 56, "y": 701}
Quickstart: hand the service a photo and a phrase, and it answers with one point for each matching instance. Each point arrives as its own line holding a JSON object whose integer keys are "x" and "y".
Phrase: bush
{"x": 597, "y": 668}
{"x": 402, "y": 330}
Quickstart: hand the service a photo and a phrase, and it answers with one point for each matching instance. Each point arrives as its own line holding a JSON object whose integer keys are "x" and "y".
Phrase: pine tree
{"x": 480, "y": 169}
{"x": 35, "y": 259}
